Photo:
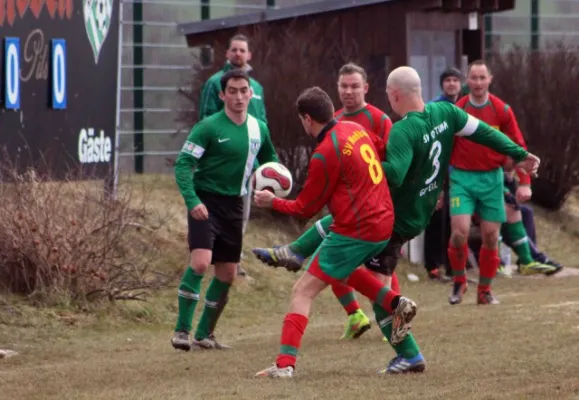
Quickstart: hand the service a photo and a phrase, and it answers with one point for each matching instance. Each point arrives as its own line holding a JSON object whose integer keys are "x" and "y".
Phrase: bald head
{"x": 405, "y": 80}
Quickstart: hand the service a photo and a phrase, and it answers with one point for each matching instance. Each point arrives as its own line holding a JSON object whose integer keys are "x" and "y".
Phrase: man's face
{"x": 394, "y": 99}
{"x": 451, "y": 86}
{"x": 352, "y": 90}
{"x": 478, "y": 80}
{"x": 238, "y": 53}
{"x": 236, "y": 95}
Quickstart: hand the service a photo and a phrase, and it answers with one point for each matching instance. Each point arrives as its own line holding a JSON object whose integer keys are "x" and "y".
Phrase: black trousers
{"x": 437, "y": 236}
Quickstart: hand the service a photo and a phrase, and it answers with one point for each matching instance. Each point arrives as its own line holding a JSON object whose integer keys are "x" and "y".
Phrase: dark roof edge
{"x": 274, "y": 14}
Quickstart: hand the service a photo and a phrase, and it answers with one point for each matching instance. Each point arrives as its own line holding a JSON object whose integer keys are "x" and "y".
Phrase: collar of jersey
{"x": 326, "y": 129}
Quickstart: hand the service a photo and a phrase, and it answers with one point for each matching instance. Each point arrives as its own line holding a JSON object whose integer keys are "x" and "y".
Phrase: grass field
{"x": 525, "y": 348}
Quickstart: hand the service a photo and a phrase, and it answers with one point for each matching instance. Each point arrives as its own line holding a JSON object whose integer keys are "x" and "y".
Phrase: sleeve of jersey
{"x": 267, "y": 151}
{"x": 399, "y": 153}
{"x": 323, "y": 173}
{"x": 188, "y": 158}
{"x": 208, "y": 104}
{"x": 512, "y": 130}
{"x": 381, "y": 140}
{"x": 479, "y": 132}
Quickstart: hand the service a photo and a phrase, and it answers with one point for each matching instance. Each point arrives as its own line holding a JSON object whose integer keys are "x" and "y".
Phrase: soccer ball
{"x": 274, "y": 177}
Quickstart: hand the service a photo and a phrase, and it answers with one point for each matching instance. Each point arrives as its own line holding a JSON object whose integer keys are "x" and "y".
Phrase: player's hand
{"x": 440, "y": 201}
{"x": 530, "y": 165}
{"x": 263, "y": 198}
{"x": 524, "y": 193}
{"x": 199, "y": 212}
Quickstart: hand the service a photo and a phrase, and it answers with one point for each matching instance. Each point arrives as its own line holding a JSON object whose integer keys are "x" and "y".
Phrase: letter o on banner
{"x": 58, "y": 73}
{"x": 12, "y": 73}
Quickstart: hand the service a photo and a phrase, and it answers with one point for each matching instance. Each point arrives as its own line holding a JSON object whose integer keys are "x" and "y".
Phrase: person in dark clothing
{"x": 437, "y": 234}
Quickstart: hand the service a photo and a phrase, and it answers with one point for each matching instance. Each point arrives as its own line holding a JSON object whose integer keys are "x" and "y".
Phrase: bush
{"x": 541, "y": 88}
{"x": 65, "y": 241}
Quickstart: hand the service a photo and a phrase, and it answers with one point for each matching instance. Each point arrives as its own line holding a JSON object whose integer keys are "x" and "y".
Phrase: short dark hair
{"x": 233, "y": 74}
{"x": 238, "y": 37}
{"x": 479, "y": 63}
{"x": 317, "y": 104}
{"x": 351, "y": 68}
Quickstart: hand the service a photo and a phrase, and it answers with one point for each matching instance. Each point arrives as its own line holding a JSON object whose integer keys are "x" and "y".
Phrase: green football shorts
{"x": 480, "y": 192}
{"x": 338, "y": 256}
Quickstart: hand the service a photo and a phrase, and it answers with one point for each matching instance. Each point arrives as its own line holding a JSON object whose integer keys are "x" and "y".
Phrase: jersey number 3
{"x": 434, "y": 155}
{"x": 374, "y": 167}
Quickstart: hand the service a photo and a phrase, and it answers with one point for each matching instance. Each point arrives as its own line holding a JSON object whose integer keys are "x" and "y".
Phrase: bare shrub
{"x": 65, "y": 241}
{"x": 542, "y": 88}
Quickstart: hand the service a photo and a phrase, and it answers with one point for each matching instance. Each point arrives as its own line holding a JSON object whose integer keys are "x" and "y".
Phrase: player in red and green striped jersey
{"x": 477, "y": 186}
{"x": 346, "y": 175}
{"x": 352, "y": 90}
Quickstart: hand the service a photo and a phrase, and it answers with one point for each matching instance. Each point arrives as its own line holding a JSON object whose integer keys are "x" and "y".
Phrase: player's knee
{"x": 490, "y": 239}
{"x": 513, "y": 214}
{"x": 226, "y": 272}
{"x": 199, "y": 263}
{"x": 458, "y": 238}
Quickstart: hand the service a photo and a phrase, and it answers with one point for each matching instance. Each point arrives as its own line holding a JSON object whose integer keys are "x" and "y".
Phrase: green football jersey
{"x": 222, "y": 154}
{"x": 418, "y": 157}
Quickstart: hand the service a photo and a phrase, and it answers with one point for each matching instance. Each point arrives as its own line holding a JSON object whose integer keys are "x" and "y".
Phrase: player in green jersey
{"x": 417, "y": 159}
{"x": 222, "y": 149}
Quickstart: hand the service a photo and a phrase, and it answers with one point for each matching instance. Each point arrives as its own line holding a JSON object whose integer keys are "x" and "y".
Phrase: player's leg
{"x": 517, "y": 234}
{"x": 227, "y": 215}
{"x": 491, "y": 209}
{"x": 462, "y": 205}
{"x": 408, "y": 356}
{"x": 200, "y": 238}
{"x": 292, "y": 256}
{"x": 308, "y": 286}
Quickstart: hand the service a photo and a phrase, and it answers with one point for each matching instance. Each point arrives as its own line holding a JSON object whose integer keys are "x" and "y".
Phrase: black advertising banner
{"x": 58, "y": 89}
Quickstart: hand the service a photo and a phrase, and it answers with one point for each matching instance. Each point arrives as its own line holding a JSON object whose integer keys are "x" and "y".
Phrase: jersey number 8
{"x": 374, "y": 167}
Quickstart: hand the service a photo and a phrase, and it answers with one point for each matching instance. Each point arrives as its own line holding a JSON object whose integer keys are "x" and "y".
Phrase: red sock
{"x": 489, "y": 262}
{"x": 457, "y": 257}
{"x": 346, "y": 297}
{"x": 394, "y": 285}
{"x": 294, "y": 326}
{"x": 366, "y": 283}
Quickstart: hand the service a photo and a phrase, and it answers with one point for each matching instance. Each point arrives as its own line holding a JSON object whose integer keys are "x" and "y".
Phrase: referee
{"x": 222, "y": 148}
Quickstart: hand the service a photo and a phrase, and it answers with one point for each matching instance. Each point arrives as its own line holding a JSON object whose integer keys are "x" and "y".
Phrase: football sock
{"x": 346, "y": 297}
{"x": 216, "y": 293}
{"x": 370, "y": 286}
{"x": 408, "y": 348}
{"x": 220, "y": 307}
{"x": 489, "y": 264}
{"x": 188, "y": 296}
{"x": 308, "y": 243}
{"x": 520, "y": 241}
{"x": 294, "y": 326}
{"x": 457, "y": 257}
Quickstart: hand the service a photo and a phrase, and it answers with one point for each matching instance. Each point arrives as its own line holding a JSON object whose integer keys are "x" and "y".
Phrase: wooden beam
{"x": 451, "y": 5}
{"x": 489, "y": 6}
{"x": 506, "y": 5}
{"x": 429, "y": 5}
{"x": 471, "y": 5}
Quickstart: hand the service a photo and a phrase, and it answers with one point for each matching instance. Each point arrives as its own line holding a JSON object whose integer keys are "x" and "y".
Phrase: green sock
{"x": 188, "y": 297}
{"x": 214, "y": 300}
{"x": 520, "y": 241}
{"x": 408, "y": 348}
{"x": 308, "y": 243}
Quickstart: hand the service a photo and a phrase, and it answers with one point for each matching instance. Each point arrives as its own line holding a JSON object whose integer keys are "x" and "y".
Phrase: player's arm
{"x": 323, "y": 174}
{"x": 209, "y": 102}
{"x": 192, "y": 151}
{"x": 399, "y": 153}
{"x": 512, "y": 130}
{"x": 267, "y": 151}
{"x": 479, "y": 132}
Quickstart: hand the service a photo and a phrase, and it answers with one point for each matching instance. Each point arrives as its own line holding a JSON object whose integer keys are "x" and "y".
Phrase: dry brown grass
{"x": 526, "y": 348}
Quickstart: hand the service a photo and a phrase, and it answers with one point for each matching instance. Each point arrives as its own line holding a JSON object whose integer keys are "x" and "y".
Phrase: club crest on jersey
{"x": 254, "y": 145}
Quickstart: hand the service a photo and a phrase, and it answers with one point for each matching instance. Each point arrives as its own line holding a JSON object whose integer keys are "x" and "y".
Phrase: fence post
{"x": 534, "y": 24}
{"x": 138, "y": 71}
